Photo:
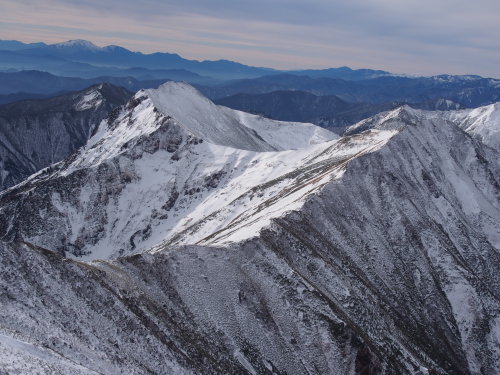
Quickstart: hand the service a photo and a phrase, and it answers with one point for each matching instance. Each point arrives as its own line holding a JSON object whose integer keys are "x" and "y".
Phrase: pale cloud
{"x": 425, "y": 37}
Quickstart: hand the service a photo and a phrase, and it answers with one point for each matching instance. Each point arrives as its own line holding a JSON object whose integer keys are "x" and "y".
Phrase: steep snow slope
{"x": 37, "y": 133}
{"x": 391, "y": 267}
{"x": 482, "y": 122}
{"x": 145, "y": 179}
{"x": 223, "y": 126}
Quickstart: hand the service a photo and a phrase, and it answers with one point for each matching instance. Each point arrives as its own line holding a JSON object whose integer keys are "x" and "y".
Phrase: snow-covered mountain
{"x": 260, "y": 247}
{"x": 482, "y": 123}
{"x": 82, "y": 51}
{"x": 77, "y": 44}
{"x": 37, "y": 133}
{"x": 195, "y": 164}
{"x": 327, "y": 111}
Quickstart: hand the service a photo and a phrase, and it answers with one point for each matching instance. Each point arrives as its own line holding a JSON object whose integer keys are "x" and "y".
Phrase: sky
{"x": 401, "y": 36}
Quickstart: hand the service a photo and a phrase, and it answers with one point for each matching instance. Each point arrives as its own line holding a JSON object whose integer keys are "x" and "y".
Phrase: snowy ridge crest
{"x": 227, "y": 127}
{"x": 482, "y": 123}
{"x": 182, "y": 106}
{"x": 152, "y": 175}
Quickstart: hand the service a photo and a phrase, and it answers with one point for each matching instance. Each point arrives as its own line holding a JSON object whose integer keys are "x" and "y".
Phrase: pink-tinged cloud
{"x": 424, "y": 37}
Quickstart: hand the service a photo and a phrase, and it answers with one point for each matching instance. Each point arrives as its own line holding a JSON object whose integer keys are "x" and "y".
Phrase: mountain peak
{"x": 114, "y": 48}
{"x": 395, "y": 119}
{"x": 77, "y": 43}
{"x": 180, "y": 89}
{"x": 481, "y": 123}
{"x": 226, "y": 127}
{"x": 179, "y": 109}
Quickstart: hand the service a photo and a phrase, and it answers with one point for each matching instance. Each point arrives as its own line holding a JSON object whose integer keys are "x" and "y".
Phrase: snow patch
{"x": 90, "y": 100}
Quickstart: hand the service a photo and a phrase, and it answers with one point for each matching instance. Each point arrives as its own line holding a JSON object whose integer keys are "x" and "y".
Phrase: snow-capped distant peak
{"x": 77, "y": 43}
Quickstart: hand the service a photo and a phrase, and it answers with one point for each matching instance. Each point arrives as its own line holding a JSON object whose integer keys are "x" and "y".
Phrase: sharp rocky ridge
{"x": 207, "y": 240}
{"x": 37, "y": 133}
{"x": 147, "y": 177}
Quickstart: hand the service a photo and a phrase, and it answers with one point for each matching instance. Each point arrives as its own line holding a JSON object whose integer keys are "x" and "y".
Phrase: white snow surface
{"x": 227, "y": 127}
{"x": 251, "y": 184}
{"x": 237, "y": 209}
{"x": 482, "y": 123}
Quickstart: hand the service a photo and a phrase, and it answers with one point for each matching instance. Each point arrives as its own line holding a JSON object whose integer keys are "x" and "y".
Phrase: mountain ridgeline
{"x": 36, "y": 82}
{"x": 37, "y": 133}
{"x": 76, "y": 64}
{"x": 464, "y": 91}
{"x": 81, "y": 58}
{"x": 190, "y": 238}
{"x": 86, "y": 58}
{"x": 326, "y": 111}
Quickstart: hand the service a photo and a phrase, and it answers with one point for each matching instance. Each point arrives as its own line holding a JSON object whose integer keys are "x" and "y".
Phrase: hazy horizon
{"x": 416, "y": 38}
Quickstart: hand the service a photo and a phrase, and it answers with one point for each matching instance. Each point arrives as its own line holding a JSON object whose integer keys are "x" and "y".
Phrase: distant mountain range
{"x": 14, "y": 45}
{"x": 463, "y": 91}
{"x": 80, "y": 58}
{"x": 343, "y": 72}
{"x": 466, "y": 91}
{"x": 36, "y": 82}
{"x": 328, "y": 111}
{"x": 86, "y": 59}
{"x": 38, "y": 70}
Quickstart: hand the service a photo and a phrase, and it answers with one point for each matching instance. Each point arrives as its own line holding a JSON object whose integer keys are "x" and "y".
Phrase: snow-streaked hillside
{"x": 482, "y": 123}
{"x": 37, "y": 133}
{"x": 226, "y": 127}
{"x": 172, "y": 186}
{"x": 376, "y": 253}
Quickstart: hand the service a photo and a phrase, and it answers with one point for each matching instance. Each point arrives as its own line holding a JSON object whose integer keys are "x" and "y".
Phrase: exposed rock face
{"x": 37, "y": 133}
{"x": 383, "y": 258}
